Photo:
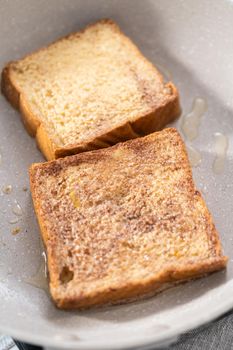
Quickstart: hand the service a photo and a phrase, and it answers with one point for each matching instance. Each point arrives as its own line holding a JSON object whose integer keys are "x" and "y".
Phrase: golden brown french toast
{"x": 89, "y": 90}
{"x": 123, "y": 222}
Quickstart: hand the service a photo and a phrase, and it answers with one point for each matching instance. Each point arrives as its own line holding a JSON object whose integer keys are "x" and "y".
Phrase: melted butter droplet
{"x": 13, "y": 221}
{"x": 44, "y": 256}
{"x": 191, "y": 122}
{"x": 39, "y": 279}
{"x": 194, "y": 156}
{"x": 165, "y": 72}
{"x": 221, "y": 147}
{"x": 16, "y": 209}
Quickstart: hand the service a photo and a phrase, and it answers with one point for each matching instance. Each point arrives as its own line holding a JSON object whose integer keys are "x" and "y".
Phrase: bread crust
{"x": 127, "y": 291}
{"x": 154, "y": 120}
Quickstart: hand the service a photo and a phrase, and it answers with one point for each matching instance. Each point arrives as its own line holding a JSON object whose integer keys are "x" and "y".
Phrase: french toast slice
{"x": 123, "y": 222}
{"x": 89, "y": 90}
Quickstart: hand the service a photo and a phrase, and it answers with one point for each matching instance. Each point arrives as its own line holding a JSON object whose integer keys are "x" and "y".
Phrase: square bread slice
{"x": 123, "y": 222}
{"x": 89, "y": 90}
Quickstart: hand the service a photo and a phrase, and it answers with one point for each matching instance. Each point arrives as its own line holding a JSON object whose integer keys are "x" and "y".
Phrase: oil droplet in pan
{"x": 221, "y": 147}
{"x": 16, "y": 209}
{"x": 39, "y": 280}
{"x": 191, "y": 122}
{"x": 194, "y": 156}
{"x": 13, "y": 220}
{"x": 165, "y": 72}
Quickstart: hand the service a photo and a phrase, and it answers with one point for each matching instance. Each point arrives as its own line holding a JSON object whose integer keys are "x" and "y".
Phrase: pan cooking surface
{"x": 190, "y": 41}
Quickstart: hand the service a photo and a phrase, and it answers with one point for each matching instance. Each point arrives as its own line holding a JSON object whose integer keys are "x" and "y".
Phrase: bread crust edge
{"x": 139, "y": 290}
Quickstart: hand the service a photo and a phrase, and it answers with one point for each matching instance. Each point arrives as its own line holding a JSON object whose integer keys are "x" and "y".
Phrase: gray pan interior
{"x": 193, "y": 41}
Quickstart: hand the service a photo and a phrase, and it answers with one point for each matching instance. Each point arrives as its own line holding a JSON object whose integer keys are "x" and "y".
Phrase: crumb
{"x": 15, "y": 230}
{"x": 7, "y": 189}
{"x": 25, "y": 188}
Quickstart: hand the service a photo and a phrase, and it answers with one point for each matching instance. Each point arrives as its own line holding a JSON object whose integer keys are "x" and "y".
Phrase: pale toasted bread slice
{"x": 123, "y": 222}
{"x": 89, "y": 90}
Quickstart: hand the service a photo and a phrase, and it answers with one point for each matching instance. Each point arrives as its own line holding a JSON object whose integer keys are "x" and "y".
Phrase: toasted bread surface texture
{"x": 89, "y": 90}
{"x": 123, "y": 222}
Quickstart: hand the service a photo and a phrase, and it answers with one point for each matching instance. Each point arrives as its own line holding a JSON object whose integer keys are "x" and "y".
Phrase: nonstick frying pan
{"x": 189, "y": 40}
